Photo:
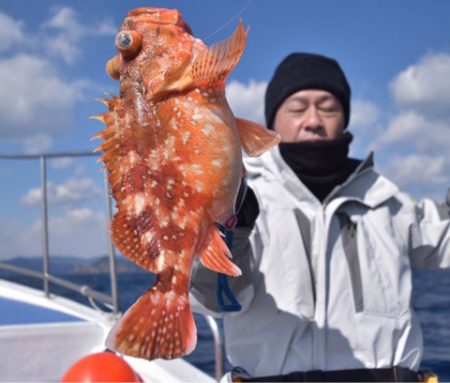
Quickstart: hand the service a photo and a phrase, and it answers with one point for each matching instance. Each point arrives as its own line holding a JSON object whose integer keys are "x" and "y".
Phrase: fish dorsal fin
{"x": 212, "y": 66}
{"x": 255, "y": 139}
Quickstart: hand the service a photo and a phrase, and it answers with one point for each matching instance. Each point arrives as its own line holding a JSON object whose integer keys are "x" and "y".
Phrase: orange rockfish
{"x": 173, "y": 150}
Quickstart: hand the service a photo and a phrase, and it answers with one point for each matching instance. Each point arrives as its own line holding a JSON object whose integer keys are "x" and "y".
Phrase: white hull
{"x": 58, "y": 332}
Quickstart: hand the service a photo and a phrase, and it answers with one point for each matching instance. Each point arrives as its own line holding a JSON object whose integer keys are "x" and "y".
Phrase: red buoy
{"x": 101, "y": 367}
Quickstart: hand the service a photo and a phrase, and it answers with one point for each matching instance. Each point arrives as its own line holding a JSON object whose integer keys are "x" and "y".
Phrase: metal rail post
{"x": 218, "y": 356}
{"x": 111, "y": 250}
{"x": 44, "y": 230}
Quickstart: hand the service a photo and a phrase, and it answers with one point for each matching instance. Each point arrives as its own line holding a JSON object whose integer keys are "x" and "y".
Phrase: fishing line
{"x": 243, "y": 9}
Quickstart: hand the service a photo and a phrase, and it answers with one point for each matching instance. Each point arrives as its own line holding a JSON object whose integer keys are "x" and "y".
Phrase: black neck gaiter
{"x": 320, "y": 165}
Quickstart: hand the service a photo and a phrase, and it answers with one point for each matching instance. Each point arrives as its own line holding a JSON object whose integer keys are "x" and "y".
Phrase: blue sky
{"x": 52, "y": 56}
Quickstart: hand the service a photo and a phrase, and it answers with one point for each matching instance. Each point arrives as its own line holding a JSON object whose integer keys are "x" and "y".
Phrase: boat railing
{"x": 109, "y": 301}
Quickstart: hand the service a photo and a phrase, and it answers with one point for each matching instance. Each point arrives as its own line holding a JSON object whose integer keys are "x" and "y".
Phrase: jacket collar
{"x": 364, "y": 185}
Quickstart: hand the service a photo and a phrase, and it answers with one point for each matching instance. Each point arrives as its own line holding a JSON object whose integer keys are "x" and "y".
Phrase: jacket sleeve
{"x": 203, "y": 291}
{"x": 429, "y": 235}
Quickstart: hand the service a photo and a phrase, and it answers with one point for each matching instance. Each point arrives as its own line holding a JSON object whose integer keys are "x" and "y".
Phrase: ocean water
{"x": 431, "y": 300}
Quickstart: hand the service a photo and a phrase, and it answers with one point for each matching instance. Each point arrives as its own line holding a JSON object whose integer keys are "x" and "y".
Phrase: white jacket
{"x": 327, "y": 286}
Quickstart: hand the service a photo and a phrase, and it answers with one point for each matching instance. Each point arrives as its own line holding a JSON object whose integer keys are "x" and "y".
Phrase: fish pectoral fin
{"x": 142, "y": 247}
{"x": 216, "y": 256}
{"x": 159, "y": 325}
{"x": 255, "y": 139}
{"x": 212, "y": 66}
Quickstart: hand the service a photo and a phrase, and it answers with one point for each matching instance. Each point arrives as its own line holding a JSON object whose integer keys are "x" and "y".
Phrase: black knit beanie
{"x": 300, "y": 71}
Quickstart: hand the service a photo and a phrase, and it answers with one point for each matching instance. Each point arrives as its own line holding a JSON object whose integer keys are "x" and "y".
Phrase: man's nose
{"x": 313, "y": 119}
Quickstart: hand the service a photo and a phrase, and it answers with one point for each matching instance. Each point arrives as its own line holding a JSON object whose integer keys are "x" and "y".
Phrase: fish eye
{"x": 128, "y": 43}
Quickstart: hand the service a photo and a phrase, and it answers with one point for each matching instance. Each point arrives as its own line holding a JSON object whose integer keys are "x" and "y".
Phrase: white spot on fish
{"x": 207, "y": 129}
{"x": 198, "y": 185}
{"x": 160, "y": 263}
{"x": 139, "y": 203}
{"x": 216, "y": 163}
{"x": 164, "y": 222}
{"x": 173, "y": 124}
{"x": 133, "y": 158}
{"x": 166, "y": 154}
{"x": 197, "y": 115}
{"x": 155, "y": 298}
{"x": 169, "y": 142}
{"x": 183, "y": 223}
{"x": 148, "y": 236}
{"x": 185, "y": 137}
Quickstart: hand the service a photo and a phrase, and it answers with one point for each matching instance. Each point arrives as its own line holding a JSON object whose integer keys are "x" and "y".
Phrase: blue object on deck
{"x": 14, "y": 312}
{"x": 222, "y": 285}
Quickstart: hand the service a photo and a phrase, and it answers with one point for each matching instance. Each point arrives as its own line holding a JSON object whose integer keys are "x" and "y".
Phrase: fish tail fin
{"x": 212, "y": 66}
{"x": 255, "y": 139}
{"x": 159, "y": 325}
{"x": 215, "y": 255}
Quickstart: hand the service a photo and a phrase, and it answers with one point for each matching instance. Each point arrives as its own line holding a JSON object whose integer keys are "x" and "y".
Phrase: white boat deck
{"x": 40, "y": 338}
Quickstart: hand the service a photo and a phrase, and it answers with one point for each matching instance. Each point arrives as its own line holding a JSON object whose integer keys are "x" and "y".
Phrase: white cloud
{"x": 38, "y": 103}
{"x": 70, "y": 31}
{"x": 105, "y": 28}
{"x": 363, "y": 113}
{"x": 63, "y": 47}
{"x": 61, "y": 162}
{"x": 76, "y": 232}
{"x": 34, "y": 98}
{"x": 72, "y": 191}
{"x": 11, "y": 32}
{"x": 409, "y": 128}
{"x": 433, "y": 171}
{"x": 80, "y": 232}
{"x": 414, "y": 147}
{"x": 37, "y": 143}
{"x": 65, "y": 19}
{"x": 247, "y": 100}
{"x": 425, "y": 86}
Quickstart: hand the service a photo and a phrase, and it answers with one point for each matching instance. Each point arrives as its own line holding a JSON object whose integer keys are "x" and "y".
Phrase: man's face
{"x": 309, "y": 115}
